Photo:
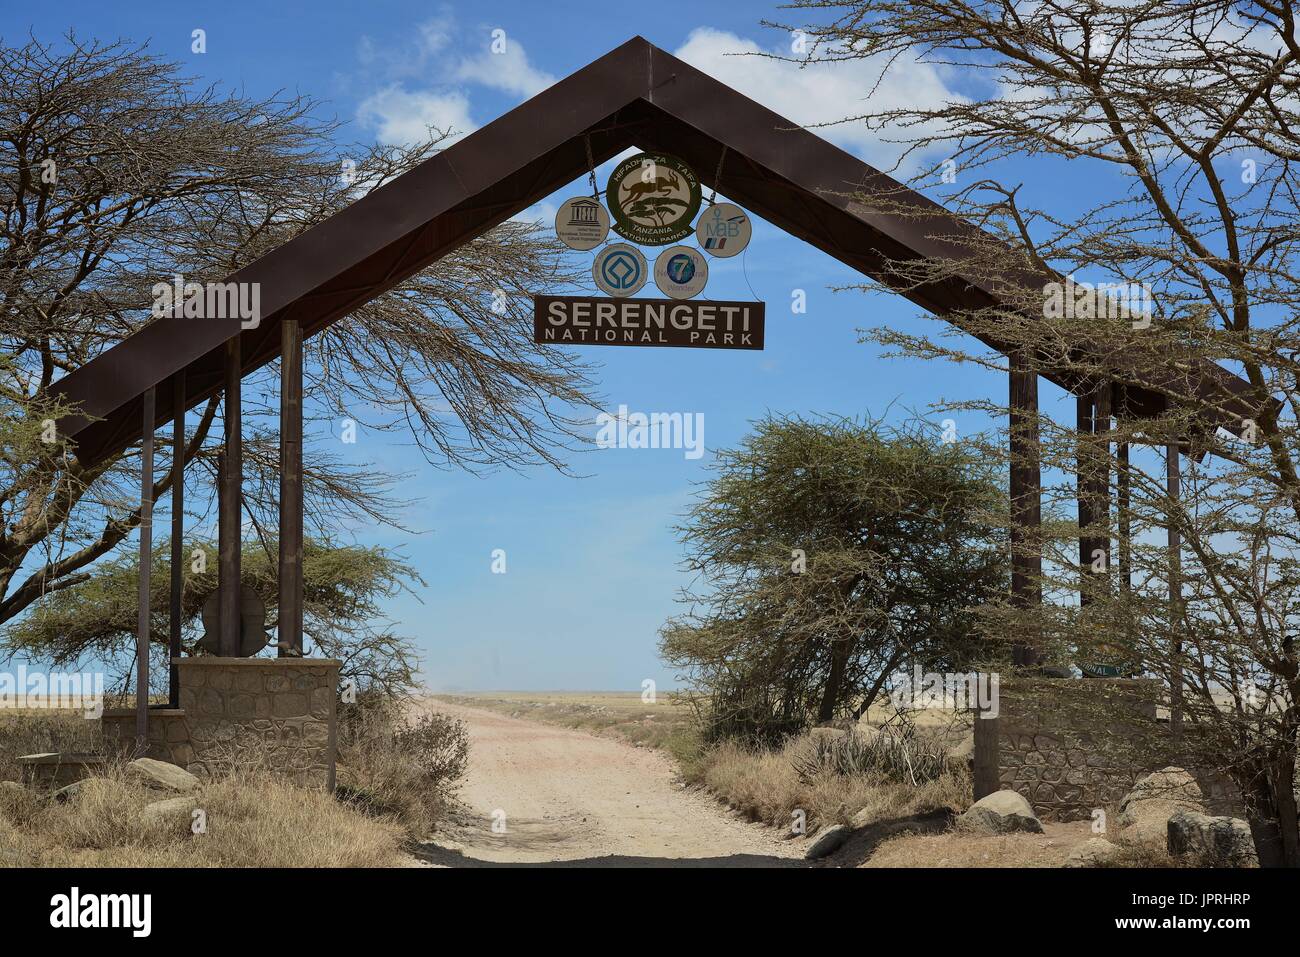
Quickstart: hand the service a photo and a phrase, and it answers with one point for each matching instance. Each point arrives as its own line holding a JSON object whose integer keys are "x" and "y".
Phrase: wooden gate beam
{"x": 1173, "y": 481}
{"x": 178, "y": 532}
{"x": 291, "y": 541}
{"x": 145, "y": 568}
{"x": 1026, "y": 501}
{"x": 228, "y": 508}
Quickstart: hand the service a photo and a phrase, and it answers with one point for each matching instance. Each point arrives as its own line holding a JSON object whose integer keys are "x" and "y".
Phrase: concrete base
{"x": 54, "y": 770}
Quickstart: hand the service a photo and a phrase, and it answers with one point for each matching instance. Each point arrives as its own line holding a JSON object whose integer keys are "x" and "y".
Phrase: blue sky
{"x": 592, "y": 562}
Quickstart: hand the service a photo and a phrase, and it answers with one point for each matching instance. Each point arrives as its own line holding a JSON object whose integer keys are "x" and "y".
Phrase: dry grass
{"x": 765, "y": 786}
{"x": 622, "y": 715}
{"x": 401, "y": 781}
{"x": 252, "y": 820}
{"x": 959, "y": 849}
{"x": 1050, "y": 849}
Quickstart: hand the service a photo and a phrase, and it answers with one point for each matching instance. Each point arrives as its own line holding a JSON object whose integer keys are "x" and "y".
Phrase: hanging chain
{"x": 717, "y": 176}
{"x": 591, "y": 167}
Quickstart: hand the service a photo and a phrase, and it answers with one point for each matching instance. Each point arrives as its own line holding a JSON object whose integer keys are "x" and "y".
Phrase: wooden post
{"x": 1125, "y": 516}
{"x": 178, "y": 532}
{"x": 1026, "y": 500}
{"x": 1085, "y": 487}
{"x": 1173, "y": 478}
{"x": 291, "y": 542}
{"x": 228, "y": 508}
{"x": 146, "y": 566}
{"x": 1100, "y": 484}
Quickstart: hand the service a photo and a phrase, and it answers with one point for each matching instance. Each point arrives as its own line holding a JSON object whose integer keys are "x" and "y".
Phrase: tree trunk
{"x": 839, "y": 665}
{"x": 1271, "y": 813}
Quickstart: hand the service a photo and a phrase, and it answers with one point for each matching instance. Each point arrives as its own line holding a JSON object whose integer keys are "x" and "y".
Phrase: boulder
{"x": 1216, "y": 841}
{"x": 1096, "y": 852}
{"x": 161, "y": 775}
{"x": 1145, "y": 811}
{"x": 171, "y": 808}
{"x": 1001, "y": 812}
{"x": 827, "y": 842}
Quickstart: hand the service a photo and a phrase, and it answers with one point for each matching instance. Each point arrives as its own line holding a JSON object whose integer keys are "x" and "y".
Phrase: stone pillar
{"x": 277, "y": 714}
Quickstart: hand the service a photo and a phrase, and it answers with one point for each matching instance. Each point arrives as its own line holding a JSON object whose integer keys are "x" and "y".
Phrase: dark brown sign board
{"x": 600, "y": 321}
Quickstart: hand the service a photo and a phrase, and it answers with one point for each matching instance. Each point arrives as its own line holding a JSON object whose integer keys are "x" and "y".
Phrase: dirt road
{"x": 557, "y": 795}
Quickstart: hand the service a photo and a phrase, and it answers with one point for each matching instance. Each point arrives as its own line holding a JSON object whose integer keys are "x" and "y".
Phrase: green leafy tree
{"x": 829, "y": 554}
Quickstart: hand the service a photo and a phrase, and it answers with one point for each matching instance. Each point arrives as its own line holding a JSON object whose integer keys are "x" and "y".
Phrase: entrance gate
{"x": 636, "y": 95}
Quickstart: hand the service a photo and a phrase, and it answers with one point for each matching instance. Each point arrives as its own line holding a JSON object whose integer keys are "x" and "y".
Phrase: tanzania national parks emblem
{"x": 653, "y": 198}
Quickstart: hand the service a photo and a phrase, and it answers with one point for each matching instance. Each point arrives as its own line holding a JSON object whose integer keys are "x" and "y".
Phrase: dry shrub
{"x": 767, "y": 785}
{"x": 904, "y": 758}
{"x": 252, "y": 820}
{"x": 407, "y": 768}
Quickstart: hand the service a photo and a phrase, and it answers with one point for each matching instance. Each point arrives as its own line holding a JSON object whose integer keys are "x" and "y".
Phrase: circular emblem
{"x": 724, "y": 230}
{"x": 619, "y": 270}
{"x": 653, "y": 198}
{"x": 581, "y": 223}
{"x": 681, "y": 272}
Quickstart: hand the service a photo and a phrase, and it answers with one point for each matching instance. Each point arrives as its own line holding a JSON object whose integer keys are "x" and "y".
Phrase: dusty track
{"x": 569, "y": 797}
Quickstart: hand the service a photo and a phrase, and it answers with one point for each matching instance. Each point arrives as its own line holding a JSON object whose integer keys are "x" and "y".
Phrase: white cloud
{"x": 398, "y": 115}
{"x": 509, "y": 71}
{"x": 820, "y": 93}
{"x": 425, "y": 86}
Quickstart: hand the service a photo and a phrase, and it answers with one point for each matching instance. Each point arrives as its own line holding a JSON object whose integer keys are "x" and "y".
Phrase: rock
{"x": 962, "y": 754}
{"x": 864, "y": 818}
{"x": 1145, "y": 811}
{"x": 1167, "y": 784}
{"x": 177, "y": 807}
{"x": 161, "y": 775}
{"x": 1096, "y": 852}
{"x": 1217, "y": 841}
{"x": 828, "y": 841}
{"x": 1001, "y": 812}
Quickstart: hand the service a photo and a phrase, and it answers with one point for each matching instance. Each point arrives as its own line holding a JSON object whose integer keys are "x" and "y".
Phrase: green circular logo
{"x": 653, "y": 198}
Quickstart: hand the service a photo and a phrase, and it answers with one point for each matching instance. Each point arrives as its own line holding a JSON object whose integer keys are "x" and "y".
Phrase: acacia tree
{"x": 1180, "y": 116}
{"x": 829, "y": 554}
{"x": 344, "y": 587}
{"x": 116, "y": 172}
